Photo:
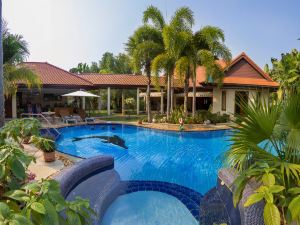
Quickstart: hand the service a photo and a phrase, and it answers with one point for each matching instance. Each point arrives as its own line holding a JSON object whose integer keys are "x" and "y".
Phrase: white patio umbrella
{"x": 82, "y": 94}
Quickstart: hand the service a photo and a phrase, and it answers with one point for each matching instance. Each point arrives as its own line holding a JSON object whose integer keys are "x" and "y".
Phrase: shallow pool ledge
{"x": 81, "y": 171}
{"x": 252, "y": 214}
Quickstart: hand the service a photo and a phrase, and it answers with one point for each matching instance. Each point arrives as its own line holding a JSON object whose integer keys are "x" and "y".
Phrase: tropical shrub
{"x": 45, "y": 144}
{"x": 286, "y": 71}
{"x": 23, "y": 201}
{"x": 199, "y": 118}
{"x": 159, "y": 118}
{"x": 20, "y": 130}
{"x": 176, "y": 114}
{"x": 13, "y": 164}
{"x": 266, "y": 147}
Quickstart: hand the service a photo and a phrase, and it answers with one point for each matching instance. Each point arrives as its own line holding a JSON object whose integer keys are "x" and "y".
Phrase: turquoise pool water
{"x": 145, "y": 208}
{"x": 190, "y": 159}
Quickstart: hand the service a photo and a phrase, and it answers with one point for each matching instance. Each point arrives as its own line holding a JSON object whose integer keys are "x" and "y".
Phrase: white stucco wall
{"x": 217, "y": 100}
{"x": 265, "y": 95}
{"x": 230, "y": 99}
{"x": 252, "y": 94}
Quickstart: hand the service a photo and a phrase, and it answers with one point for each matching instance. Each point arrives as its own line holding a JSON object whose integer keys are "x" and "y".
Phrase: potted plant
{"x": 46, "y": 145}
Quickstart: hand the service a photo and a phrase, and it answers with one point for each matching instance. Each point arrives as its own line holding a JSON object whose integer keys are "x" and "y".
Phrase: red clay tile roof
{"x": 120, "y": 80}
{"x": 53, "y": 76}
{"x": 249, "y": 82}
{"x": 115, "y": 79}
{"x": 242, "y": 71}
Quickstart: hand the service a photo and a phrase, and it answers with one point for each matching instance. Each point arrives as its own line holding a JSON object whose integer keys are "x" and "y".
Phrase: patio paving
{"x": 43, "y": 169}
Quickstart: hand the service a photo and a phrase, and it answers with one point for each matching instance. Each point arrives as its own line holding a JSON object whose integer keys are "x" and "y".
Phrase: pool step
{"x": 101, "y": 189}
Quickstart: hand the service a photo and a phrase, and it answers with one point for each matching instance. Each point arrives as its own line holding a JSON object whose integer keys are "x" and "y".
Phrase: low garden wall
{"x": 81, "y": 171}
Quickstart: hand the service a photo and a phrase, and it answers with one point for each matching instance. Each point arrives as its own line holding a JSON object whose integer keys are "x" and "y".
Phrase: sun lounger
{"x": 67, "y": 117}
{"x": 84, "y": 117}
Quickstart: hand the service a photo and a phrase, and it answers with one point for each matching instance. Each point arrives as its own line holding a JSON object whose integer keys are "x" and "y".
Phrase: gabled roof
{"x": 51, "y": 75}
{"x": 242, "y": 71}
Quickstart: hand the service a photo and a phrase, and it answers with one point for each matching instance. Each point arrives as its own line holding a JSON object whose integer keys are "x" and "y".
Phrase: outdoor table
{"x": 48, "y": 113}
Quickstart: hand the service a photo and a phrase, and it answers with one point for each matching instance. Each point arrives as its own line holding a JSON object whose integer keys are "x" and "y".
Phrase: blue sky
{"x": 65, "y": 32}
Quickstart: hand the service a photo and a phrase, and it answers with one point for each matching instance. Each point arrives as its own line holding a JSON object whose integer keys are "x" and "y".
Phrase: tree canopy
{"x": 119, "y": 64}
{"x": 286, "y": 71}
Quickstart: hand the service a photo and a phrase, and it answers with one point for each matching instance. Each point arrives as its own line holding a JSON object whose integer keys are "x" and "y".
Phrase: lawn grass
{"x": 120, "y": 118}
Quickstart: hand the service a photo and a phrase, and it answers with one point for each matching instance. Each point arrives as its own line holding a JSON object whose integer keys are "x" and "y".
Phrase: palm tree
{"x": 203, "y": 48}
{"x": 143, "y": 46}
{"x": 265, "y": 146}
{"x": 174, "y": 35}
{"x": 15, "y": 52}
{"x": 2, "y": 112}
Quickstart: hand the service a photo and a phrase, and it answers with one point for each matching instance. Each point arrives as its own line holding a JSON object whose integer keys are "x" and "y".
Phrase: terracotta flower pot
{"x": 49, "y": 156}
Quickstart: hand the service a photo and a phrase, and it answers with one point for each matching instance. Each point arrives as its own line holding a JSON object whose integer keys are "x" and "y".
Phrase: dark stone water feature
{"x": 116, "y": 140}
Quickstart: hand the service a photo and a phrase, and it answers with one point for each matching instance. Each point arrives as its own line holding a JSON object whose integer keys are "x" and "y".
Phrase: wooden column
{"x": 137, "y": 101}
{"x": 123, "y": 103}
{"x": 99, "y": 101}
{"x": 108, "y": 101}
{"x": 83, "y": 103}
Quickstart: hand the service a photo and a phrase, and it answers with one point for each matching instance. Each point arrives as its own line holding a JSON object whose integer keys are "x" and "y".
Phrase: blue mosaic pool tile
{"x": 190, "y": 198}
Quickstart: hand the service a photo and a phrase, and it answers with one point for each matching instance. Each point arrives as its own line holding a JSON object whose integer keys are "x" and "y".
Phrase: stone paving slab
{"x": 41, "y": 168}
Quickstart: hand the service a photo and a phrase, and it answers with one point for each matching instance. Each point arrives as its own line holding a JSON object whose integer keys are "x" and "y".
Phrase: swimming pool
{"x": 189, "y": 159}
{"x": 148, "y": 208}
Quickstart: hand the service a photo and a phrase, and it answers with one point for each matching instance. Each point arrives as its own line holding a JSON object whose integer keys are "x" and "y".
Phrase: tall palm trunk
{"x": 194, "y": 96}
{"x": 186, "y": 92}
{"x": 168, "y": 95}
{"x": 171, "y": 93}
{"x": 2, "y": 110}
{"x": 148, "y": 102}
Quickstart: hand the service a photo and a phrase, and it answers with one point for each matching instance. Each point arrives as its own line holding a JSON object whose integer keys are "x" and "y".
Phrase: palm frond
{"x": 175, "y": 42}
{"x": 14, "y": 76}
{"x": 15, "y": 49}
{"x": 212, "y": 38}
{"x": 183, "y": 19}
{"x": 214, "y": 72}
{"x": 154, "y": 15}
{"x": 181, "y": 67}
{"x": 253, "y": 136}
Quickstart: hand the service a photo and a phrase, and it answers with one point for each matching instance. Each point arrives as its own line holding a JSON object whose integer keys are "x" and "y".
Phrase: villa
{"x": 171, "y": 129}
{"x": 244, "y": 79}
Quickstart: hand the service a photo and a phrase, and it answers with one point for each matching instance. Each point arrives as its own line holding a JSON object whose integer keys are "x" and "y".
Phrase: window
{"x": 223, "y": 100}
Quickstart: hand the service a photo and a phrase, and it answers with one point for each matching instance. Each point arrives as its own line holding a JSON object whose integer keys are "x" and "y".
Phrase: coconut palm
{"x": 174, "y": 36}
{"x": 143, "y": 46}
{"x": 15, "y": 52}
{"x": 265, "y": 146}
{"x": 203, "y": 48}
